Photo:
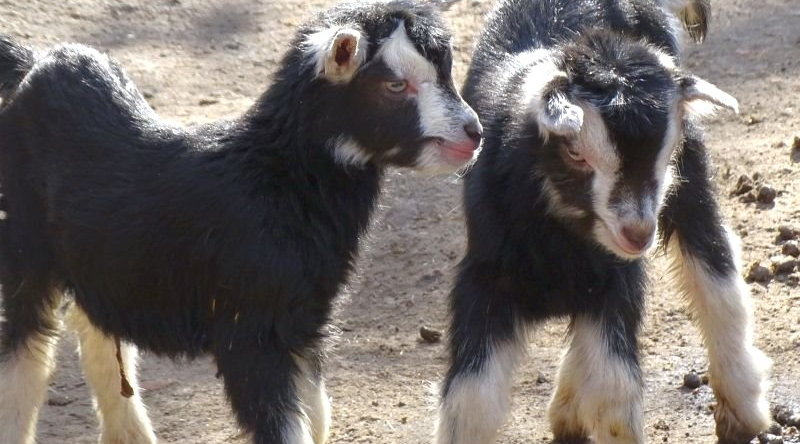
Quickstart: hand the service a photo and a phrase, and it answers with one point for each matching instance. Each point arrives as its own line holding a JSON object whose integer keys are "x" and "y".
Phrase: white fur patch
{"x": 122, "y": 420}
{"x": 347, "y": 152}
{"x": 440, "y": 115}
{"x": 476, "y": 405}
{"x": 314, "y": 402}
{"x": 23, "y": 383}
{"x": 738, "y": 370}
{"x": 597, "y": 394}
{"x": 568, "y": 117}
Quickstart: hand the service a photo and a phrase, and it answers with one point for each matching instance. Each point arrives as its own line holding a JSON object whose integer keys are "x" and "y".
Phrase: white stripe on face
{"x": 440, "y": 114}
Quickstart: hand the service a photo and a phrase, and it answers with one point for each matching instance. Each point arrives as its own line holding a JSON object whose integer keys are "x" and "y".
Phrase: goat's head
{"x": 387, "y": 68}
{"x": 610, "y": 112}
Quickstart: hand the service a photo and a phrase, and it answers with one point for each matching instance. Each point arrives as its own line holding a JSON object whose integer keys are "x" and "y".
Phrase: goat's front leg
{"x": 122, "y": 420}
{"x": 706, "y": 266}
{"x": 599, "y": 386}
{"x": 261, "y": 378}
{"x": 486, "y": 340}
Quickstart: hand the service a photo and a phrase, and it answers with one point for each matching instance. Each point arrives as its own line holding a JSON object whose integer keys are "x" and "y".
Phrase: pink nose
{"x": 638, "y": 235}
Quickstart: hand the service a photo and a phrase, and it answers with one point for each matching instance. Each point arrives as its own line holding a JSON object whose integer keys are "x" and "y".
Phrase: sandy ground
{"x": 199, "y": 60}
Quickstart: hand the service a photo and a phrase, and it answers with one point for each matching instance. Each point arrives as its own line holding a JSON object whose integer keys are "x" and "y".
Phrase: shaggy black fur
{"x": 231, "y": 238}
{"x": 526, "y": 263}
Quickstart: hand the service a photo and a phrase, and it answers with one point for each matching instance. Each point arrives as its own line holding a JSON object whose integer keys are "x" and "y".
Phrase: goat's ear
{"x": 344, "y": 55}
{"x": 548, "y": 104}
{"x": 701, "y": 98}
{"x": 558, "y": 115}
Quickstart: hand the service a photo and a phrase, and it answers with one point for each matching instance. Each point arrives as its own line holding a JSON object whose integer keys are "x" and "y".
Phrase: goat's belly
{"x": 157, "y": 323}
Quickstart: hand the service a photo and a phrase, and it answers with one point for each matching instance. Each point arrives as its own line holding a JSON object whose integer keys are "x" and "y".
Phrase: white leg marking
{"x": 597, "y": 393}
{"x": 23, "y": 384}
{"x": 738, "y": 370}
{"x": 314, "y": 401}
{"x": 122, "y": 420}
{"x": 477, "y": 404}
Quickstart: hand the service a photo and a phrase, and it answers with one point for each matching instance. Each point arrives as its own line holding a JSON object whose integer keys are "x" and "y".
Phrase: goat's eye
{"x": 397, "y": 86}
{"x": 575, "y": 155}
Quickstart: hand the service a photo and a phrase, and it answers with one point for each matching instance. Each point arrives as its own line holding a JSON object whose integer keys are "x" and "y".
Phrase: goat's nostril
{"x": 638, "y": 235}
{"x": 474, "y": 131}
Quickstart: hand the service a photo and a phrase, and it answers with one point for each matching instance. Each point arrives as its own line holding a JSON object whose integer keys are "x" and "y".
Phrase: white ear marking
{"x": 552, "y": 110}
{"x": 701, "y": 97}
{"x": 344, "y": 56}
{"x": 560, "y": 116}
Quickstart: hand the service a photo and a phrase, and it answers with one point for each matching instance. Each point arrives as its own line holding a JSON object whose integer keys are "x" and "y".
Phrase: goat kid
{"x": 590, "y": 140}
{"x": 230, "y": 239}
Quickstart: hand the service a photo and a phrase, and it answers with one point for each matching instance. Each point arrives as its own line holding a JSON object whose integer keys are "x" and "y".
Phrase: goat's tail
{"x": 15, "y": 62}
{"x": 695, "y": 15}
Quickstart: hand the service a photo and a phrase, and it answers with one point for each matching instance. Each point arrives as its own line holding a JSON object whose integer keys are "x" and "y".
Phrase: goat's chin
{"x": 604, "y": 236}
{"x": 436, "y": 158}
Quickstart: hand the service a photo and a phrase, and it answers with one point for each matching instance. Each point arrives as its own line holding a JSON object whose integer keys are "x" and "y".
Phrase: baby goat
{"x": 230, "y": 239}
{"x": 590, "y": 140}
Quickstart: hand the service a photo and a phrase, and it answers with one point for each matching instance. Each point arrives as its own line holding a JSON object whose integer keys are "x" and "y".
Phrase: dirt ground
{"x": 199, "y": 60}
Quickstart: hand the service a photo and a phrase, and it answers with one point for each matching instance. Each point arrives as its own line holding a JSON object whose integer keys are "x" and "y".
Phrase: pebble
{"x": 786, "y": 233}
{"x": 758, "y": 273}
{"x": 785, "y": 416}
{"x": 767, "y": 438}
{"x": 661, "y": 425}
{"x": 766, "y": 194}
{"x": 775, "y": 429}
{"x": 743, "y": 185}
{"x": 541, "y": 378}
{"x": 783, "y": 264}
{"x": 430, "y": 335}
{"x": 796, "y": 143}
{"x": 791, "y": 248}
{"x": 59, "y": 400}
{"x": 692, "y": 380}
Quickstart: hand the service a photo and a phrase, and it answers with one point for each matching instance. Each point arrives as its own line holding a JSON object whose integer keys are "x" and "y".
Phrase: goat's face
{"x": 390, "y": 75}
{"x": 611, "y": 114}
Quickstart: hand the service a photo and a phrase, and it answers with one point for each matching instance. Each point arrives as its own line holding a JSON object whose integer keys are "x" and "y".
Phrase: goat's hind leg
{"x": 122, "y": 420}
{"x": 28, "y": 336}
{"x": 706, "y": 265}
{"x": 487, "y": 339}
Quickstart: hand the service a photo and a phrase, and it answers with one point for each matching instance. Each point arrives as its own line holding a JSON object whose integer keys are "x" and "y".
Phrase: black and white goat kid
{"x": 230, "y": 239}
{"x": 590, "y": 149}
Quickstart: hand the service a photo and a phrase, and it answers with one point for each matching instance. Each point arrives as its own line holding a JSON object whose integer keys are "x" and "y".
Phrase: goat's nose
{"x": 474, "y": 130}
{"x": 639, "y": 235}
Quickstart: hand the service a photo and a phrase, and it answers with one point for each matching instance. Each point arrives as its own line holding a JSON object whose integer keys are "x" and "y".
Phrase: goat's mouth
{"x": 454, "y": 153}
{"x": 614, "y": 241}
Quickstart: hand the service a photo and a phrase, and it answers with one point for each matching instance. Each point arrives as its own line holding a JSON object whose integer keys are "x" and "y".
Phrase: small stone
{"x": 785, "y": 416}
{"x": 401, "y": 404}
{"x": 430, "y": 335}
{"x": 692, "y": 380}
{"x": 753, "y": 120}
{"x": 786, "y": 233}
{"x": 206, "y": 102}
{"x": 541, "y": 378}
{"x": 793, "y": 280}
{"x": 766, "y": 194}
{"x": 791, "y": 248}
{"x": 404, "y": 420}
{"x": 796, "y": 143}
{"x": 775, "y": 429}
{"x": 704, "y": 379}
{"x": 783, "y": 264}
{"x": 59, "y": 400}
{"x": 770, "y": 439}
{"x": 758, "y": 273}
{"x": 374, "y": 403}
{"x": 661, "y": 425}
{"x": 748, "y": 197}
{"x": 743, "y": 185}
